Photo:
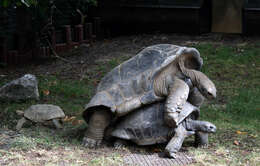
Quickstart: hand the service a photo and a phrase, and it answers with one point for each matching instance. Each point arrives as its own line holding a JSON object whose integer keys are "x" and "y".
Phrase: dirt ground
{"x": 82, "y": 59}
{"x": 126, "y": 46}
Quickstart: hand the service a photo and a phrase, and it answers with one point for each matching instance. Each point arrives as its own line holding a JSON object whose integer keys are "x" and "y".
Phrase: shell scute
{"x": 43, "y": 112}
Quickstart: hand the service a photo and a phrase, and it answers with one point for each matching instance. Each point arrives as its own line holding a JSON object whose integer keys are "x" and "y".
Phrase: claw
{"x": 204, "y": 146}
{"x": 171, "y": 154}
{"x": 119, "y": 144}
{"x": 91, "y": 143}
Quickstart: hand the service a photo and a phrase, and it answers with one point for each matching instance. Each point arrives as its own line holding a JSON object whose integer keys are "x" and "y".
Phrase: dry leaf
{"x": 77, "y": 122}
{"x": 156, "y": 150}
{"x": 80, "y": 121}
{"x": 236, "y": 142}
{"x": 69, "y": 119}
{"x": 254, "y": 136}
{"x": 240, "y": 132}
{"x": 46, "y": 92}
{"x": 65, "y": 119}
{"x": 54, "y": 83}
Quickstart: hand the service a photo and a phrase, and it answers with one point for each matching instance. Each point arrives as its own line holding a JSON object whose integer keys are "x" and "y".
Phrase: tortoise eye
{"x": 204, "y": 90}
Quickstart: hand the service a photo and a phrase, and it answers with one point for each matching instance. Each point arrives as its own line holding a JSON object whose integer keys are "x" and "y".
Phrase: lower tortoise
{"x": 146, "y": 126}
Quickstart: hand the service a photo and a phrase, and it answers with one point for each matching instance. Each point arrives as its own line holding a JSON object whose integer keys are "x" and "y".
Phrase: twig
{"x": 56, "y": 55}
{"x": 82, "y": 20}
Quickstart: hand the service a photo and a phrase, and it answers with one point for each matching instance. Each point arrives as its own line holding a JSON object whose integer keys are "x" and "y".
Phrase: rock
{"x": 21, "y": 89}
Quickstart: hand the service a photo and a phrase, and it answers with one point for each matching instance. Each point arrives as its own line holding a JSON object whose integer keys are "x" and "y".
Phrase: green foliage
{"x": 27, "y": 3}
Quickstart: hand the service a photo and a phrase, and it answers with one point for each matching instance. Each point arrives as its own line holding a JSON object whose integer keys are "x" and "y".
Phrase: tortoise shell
{"x": 146, "y": 125}
{"x": 135, "y": 77}
{"x": 43, "y": 112}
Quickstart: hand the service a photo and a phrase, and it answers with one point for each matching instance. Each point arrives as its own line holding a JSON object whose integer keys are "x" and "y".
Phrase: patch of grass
{"x": 113, "y": 159}
{"x": 233, "y": 69}
{"x": 223, "y": 156}
{"x": 24, "y": 143}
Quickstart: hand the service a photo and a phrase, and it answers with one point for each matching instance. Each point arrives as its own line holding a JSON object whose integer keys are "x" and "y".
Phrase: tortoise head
{"x": 205, "y": 85}
{"x": 207, "y": 127}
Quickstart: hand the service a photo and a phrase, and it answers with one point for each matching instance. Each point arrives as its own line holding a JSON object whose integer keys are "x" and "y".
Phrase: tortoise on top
{"x": 40, "y": 113}
{"x": 158, "y": 72}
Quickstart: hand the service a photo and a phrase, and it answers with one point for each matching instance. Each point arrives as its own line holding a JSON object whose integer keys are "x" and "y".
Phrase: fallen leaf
{"x": 240, "y": 132}
{"x": 236, "y": 142}
{"x": 46, "y": 92}
{"x": 65, "y": 119}
{"x": 54, "y": 83}
{"x": 156, "y": 150}
{"x": 69, "y": 119}
{"x": 254, "y": 136}
{"x": 77, "y": 122}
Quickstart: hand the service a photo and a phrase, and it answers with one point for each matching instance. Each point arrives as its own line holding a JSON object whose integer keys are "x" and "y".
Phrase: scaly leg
{"x": 98, "y": 122}
{"x": 201, "y": 139}
{"x": 57, "y": 124}
{"x": 20, "y": 123}
{"x": 175, "y": 143}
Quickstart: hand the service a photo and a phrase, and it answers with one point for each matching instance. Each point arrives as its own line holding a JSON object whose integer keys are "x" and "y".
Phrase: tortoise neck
{"x": 194, "y": 125}
{"x": 192, "y": 74}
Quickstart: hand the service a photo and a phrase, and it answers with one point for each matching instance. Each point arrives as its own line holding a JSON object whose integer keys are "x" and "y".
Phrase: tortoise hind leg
{"x": 20, "y": 124}
{"x": 57, "y": 124}
{"x": 175, "y": 143}
{"x": 98, "y": 122}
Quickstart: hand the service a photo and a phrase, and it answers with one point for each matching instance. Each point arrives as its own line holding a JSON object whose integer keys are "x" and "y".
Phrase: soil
{"x": 85, "y": 56}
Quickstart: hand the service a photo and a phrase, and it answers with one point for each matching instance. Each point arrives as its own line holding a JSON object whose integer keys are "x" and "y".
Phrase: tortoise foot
{"x": 203, "y": 146}
{"x": 120, "y": 144}
{"x": 171, "y": 154}
{"x": 91, "y": 143}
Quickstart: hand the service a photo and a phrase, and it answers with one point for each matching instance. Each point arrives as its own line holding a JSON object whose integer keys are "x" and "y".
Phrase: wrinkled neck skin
{"x": 192, "y": 74}
{"x": 194, "y": 125}
{"x": 164, "y": 79}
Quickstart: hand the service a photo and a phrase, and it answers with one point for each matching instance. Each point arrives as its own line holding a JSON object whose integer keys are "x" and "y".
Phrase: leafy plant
{"x": 8, "y": 3}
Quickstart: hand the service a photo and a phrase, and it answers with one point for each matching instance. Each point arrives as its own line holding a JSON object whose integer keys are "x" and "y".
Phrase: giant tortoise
{"x": 159, "y": 72}
{"x": 146, "y": 126}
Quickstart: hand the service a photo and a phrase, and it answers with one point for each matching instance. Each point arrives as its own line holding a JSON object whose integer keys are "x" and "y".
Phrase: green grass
{"x": 236, "y": 111}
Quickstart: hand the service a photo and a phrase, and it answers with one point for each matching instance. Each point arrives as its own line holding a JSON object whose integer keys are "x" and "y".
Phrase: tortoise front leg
{"x": 120, "y": 143}
{"x": 98, "y": 122}
{"x": 57, "y": 124}
{"x": 20, "y": 123}
{"x": 201, "y": 139}
{"x": 177, "y": 93}
{"x": 175, "y": 143}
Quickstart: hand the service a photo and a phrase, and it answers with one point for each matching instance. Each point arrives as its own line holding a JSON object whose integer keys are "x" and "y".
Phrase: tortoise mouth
{"x": 212, "y": 129}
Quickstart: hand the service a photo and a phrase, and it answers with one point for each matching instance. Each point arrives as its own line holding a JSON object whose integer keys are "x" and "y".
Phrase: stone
{"x": 21, "y": 89}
